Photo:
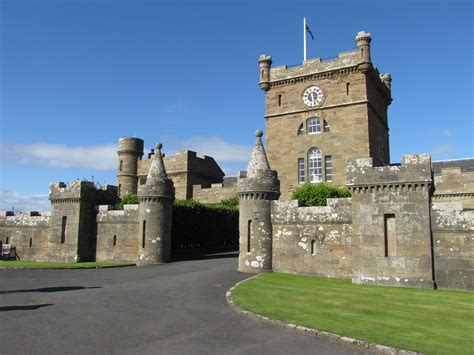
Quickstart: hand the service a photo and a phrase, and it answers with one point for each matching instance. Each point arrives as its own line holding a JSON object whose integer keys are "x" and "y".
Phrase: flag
{"x": 310, "y": 33}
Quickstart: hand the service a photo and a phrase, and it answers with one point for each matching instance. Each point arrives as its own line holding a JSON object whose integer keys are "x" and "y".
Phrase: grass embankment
{"x": 28, "y": 264}
{"x": 427, "y": 321}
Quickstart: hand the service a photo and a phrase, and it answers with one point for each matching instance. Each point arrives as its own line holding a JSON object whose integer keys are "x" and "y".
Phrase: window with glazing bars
{"x": 315, "y": 168}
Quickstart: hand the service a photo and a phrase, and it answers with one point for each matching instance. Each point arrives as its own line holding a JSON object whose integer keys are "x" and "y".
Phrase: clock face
{"x": 313, "y": 96}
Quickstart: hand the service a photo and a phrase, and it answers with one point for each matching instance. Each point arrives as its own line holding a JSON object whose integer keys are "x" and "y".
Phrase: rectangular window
{"x": 279, "y": 100}
{"x": 301, "y": 170}
{"x": 31, "y": 242}
{"x": 328, "y": 167}
{"x": 348, "y": 87}
{"x": 7, "y": 240}
{"x": 313, "y": 126}
{"x": 63, "y": 229}
{"x": 390, "y": 235}
{"x": 143, "y": 234}
{"x": 249, "y": 234}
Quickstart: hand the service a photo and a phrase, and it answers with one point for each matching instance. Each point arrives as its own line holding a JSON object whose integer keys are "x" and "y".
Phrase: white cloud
{"x": 448, "y": 133}
{"x": 94, "y": 157}
{"x": 220, "y": 150}
{"x": 10, "y": 200}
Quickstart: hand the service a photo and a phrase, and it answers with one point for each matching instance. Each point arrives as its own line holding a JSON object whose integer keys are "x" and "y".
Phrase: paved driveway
{"x": 177, "y": 308}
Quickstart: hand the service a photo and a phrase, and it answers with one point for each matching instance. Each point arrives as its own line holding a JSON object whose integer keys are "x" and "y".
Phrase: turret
{"x": 130, "y": 150}
{"x": 256, "y": 190}
{"x": 363, "y": 44}
{"x": 155, "y": 198}
{"x": 265, "y": 62}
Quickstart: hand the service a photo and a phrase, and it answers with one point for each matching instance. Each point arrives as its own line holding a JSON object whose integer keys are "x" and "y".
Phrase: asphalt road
{"x": 177, "y": 308}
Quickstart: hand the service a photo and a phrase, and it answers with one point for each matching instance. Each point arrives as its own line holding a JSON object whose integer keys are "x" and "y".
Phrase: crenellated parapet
{"x": 413, "y": 174}
{"x": 82, "y": 191}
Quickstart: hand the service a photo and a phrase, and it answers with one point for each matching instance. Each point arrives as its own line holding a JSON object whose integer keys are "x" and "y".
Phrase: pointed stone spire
{"x": 258, "y": 160}
{"x": 157, "y": 167}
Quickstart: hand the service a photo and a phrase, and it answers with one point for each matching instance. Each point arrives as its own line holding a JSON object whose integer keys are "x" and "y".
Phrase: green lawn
{"x": 40, "y": 264}
{"x": 433, "y": 322}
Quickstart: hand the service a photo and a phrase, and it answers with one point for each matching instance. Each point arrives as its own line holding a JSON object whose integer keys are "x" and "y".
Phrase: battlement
{"x": 413, "y": 172}
{"x": 84, "y": 191}
{"x": 110, "y": 214}
{"x": 315, "y": 66}
{"x": 25, "y": 219}
{"x": 131, "y": 144}
{"x": 338, "y": 210}
{"x": 184, "y": 161}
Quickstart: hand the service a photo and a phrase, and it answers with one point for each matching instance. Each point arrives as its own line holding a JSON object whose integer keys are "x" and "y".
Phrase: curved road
{"x": 177, "y": 308}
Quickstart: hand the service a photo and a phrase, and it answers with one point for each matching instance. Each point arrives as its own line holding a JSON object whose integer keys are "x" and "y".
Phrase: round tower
{"x": 363, "y": 44}
{"x": 130, "y": 150}
{"x": 256, "y": 191}
{"x": 265, "y": 62}
{"x": 155, "y": 198}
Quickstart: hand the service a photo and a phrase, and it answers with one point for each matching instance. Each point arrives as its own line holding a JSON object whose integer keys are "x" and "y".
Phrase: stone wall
{"x": 313, "y": 240}
{"x": 28, "y": 231}
{"x": 454, "y": 185}
{"x": 216, "y": 193}
{"x": 391, "y": 222}
{"x": 117, "y": 234}
{"x": 453, "y": 244}
{"x": 186, "y": 169}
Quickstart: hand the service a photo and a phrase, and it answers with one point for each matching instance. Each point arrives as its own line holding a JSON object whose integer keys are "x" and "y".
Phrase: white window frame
{"x": 315, "y": 166}
{"x": 301, "y": 170}
{"x": 313, "y": 125}
{"x": 328, "y": 168}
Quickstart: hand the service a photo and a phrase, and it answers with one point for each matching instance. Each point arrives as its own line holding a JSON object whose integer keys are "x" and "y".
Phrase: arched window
{"x": 121, "y": 165}
{"x": 313, "y": 125}
{"x": 114, "y": 240}
{"x": 315, "y": 168}
{"x": 300, "y": 130}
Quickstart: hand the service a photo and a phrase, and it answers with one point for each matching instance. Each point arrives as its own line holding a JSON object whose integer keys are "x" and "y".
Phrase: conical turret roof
{"x": 258, "y": 160}
{"x": 157, "y": 167}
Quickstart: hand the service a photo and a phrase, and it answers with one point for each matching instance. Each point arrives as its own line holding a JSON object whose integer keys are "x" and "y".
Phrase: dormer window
{"x": 314, "y": 125}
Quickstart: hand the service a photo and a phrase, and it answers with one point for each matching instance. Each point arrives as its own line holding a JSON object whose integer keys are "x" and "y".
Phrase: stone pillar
{"x": 256, "y": 190}
{"x": 265, "y": 62}
{"x": 155, "y": 213}
{"x": 130, "y": 150}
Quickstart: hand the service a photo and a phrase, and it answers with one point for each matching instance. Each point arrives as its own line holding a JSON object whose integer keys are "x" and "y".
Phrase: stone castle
{"x": 409, "y": 224}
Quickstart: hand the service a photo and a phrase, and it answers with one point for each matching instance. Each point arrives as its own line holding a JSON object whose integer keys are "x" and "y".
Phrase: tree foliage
{"x": 131, "y": 199}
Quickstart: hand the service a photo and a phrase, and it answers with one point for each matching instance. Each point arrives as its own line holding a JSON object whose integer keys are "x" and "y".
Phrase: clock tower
{"x": 323, "y": 113}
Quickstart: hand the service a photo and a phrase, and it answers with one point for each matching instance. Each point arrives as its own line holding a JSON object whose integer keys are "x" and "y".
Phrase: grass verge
{"x": 28, "y": 264}
{"x": 432, "y": 322}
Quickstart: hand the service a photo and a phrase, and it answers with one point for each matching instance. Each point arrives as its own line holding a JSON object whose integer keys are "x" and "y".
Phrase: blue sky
{"x": 78, "y": 74}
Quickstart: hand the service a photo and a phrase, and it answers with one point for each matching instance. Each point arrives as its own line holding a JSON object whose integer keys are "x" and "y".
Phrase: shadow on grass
{"x": 48, "y": 289}
{"x": 30, "y": 307}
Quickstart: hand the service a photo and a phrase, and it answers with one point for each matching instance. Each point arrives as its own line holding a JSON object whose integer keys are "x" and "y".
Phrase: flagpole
{"x": 304, "y": 39}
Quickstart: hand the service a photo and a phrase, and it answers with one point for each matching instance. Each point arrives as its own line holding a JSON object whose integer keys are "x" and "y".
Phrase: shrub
{"x": 317, "y": 194}
{"x": 230, "y": 202}
{"x": 131, "y": 199}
